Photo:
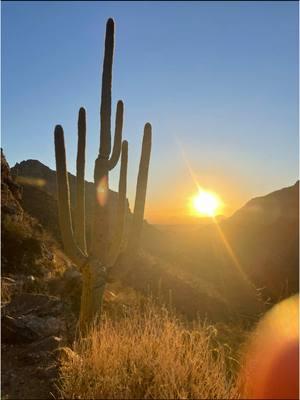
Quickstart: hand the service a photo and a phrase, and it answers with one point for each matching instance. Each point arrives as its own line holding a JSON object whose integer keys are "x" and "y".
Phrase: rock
{"x": 29, "y": 328}
{"x": 72, "y": 274}
{"x": 45, "y": 326}
{"x": 40, "y": 350}
{"x": 49, "y": 344}
{"x": 15, "y": 331}
{"x": 49, "y": 373}
{"x": 39, "y": 304}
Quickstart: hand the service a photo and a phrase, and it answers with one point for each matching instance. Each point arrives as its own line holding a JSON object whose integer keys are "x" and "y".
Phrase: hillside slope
{"x": 154, "y": 271}
{"x": 260, "y": 241}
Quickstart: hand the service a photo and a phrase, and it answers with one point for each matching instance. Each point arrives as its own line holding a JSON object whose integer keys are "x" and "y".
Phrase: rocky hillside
{"x": 38, "y": 306}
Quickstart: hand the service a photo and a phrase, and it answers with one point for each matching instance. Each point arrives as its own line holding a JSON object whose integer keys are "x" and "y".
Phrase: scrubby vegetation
{"x": 149, "y": 353}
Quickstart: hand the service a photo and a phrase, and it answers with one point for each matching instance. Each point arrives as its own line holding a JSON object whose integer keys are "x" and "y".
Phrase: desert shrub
{"x": 148, "y": 353}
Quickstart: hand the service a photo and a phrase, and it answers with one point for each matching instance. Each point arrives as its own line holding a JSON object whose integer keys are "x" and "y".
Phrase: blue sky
{"x": 217, "y": 80}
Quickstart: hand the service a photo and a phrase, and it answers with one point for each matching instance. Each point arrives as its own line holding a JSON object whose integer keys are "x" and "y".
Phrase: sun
{"x": 206, "y": 204}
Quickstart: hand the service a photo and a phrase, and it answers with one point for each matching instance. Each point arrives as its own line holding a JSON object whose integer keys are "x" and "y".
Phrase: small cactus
{"x": 96, "y": 262}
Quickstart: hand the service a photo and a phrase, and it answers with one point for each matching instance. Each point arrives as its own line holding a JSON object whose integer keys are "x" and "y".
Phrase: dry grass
{"x": 147, "y": 354}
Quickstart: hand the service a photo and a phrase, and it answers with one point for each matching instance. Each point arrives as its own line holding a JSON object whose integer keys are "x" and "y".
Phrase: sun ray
{"x": 231, "y": 253}
{"x": 223, "y": 238}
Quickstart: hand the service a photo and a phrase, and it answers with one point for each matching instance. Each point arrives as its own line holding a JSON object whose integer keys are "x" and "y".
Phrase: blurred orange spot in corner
{"x": 102, "y": 191}
{"x": 271, "y": 365}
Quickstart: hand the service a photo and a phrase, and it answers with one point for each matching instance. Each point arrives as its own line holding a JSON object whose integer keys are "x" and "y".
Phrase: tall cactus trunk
{"x": 85, "y": 316}
{"x": 80, "y": 184}
{"x": 93, "y": 286}
{"x": 96, "y": 262}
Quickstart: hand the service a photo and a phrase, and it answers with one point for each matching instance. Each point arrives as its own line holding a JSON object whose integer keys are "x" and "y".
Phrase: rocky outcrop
{"x": 36, "y": 317}
{"x": 10, "y": 193}
{"x": 34, "y": 328}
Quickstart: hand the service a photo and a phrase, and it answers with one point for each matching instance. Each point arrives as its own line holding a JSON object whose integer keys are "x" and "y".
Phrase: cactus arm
{"x": 80, "y": 184}
{"x": 76, "y": 255}
{"x": 99, "y": 245}
{"x": 141, "y": 188}
{"x": 118, "y": 136}
{"x": 114, "y": 250}
{"x": 105, "y": 108}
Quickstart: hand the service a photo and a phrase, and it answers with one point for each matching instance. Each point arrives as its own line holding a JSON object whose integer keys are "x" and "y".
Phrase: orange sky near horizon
{"x": 172, "y": 204}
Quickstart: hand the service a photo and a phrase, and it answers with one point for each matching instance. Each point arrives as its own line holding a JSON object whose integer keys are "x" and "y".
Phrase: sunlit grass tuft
{"x": 147, "y": 354}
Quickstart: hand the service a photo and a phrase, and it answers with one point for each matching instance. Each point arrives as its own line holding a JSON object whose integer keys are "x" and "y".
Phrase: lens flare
{"x": 270, "y": 369}
{"x": 102, "y": 191}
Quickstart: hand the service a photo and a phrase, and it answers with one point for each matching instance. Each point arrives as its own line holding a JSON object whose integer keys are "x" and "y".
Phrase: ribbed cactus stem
{"x": 105, "y": 108}
{"x": 141, "y": 189}
{"x": 121, "y": 210}
{"x": 100, "y": 242}
{"x": 118, "y": 136}
{"x": 80, "y": 183}
{"x": 102, "y": 255}
{"x": 65, "y": 220}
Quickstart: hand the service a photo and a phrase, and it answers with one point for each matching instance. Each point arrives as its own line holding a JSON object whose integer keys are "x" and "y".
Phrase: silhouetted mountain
{"x": 264, "y": 210}
{"x": 260, "y": 241}
{"x": 39, "y": 181}
{"x": 256, "y": 247}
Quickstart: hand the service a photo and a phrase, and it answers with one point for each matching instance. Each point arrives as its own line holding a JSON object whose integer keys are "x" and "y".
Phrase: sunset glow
{"x": 206, "y": 204}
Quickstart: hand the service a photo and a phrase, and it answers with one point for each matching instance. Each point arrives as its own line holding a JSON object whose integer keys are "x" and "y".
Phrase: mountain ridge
{"x": 256, "y": 235}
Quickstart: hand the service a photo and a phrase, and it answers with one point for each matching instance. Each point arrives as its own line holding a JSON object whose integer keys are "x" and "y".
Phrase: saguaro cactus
{"x": 96, "y": 262}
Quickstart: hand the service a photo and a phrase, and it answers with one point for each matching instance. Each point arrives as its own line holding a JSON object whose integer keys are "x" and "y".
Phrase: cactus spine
{"x": 102, "y": 255}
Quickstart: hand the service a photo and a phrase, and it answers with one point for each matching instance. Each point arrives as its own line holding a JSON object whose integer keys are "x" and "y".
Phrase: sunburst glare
{"x": 206, "y": 204}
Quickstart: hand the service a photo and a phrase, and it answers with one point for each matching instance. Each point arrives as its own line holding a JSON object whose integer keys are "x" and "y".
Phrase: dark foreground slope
{"x": 35, "y": 317}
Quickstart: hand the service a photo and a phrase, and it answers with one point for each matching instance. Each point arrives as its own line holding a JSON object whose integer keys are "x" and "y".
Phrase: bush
{"x": 148, "y": 353}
